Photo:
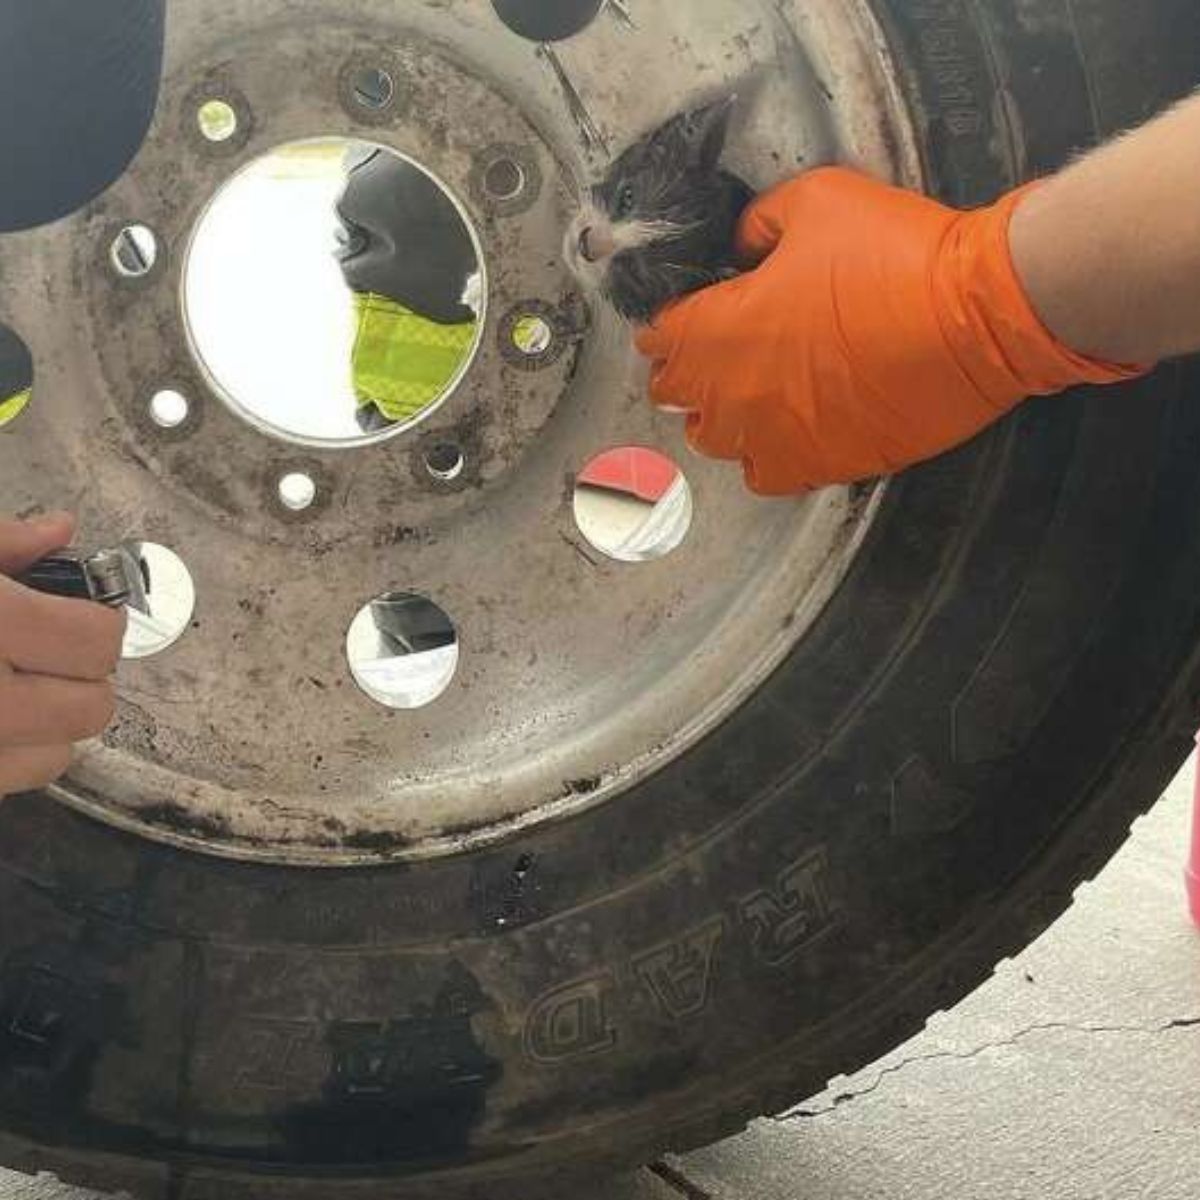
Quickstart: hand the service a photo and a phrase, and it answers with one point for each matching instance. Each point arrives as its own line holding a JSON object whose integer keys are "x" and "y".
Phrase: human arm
{"x": 1109, "y": 249}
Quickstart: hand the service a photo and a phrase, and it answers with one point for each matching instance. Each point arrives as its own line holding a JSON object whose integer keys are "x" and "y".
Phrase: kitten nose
{"x": 595, "y": 245}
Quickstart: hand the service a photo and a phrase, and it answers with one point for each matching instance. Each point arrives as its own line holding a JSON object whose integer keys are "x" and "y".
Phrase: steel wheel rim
{"x": 579, "y": 676}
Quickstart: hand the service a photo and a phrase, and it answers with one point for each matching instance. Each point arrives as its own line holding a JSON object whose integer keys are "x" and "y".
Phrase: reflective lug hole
{"x": 633, "y": 505}
{"x": 218, "y": 120}
{"x": 169, "y": 409}
{"x": 171, "y": 600}
{"x": 134, "y": 251}
{"x": 504, "y": 179}
{"x": 373, "y": 88}
{"x": 547, "y": 20}
{"x": 445, "y": 461}
{"x": 297, "y": 491}
{"x": 532, "y": 335}
{"x": 530, "y": 338}
{"x": 16, "y": 376}
{"x": 402, "y": 650}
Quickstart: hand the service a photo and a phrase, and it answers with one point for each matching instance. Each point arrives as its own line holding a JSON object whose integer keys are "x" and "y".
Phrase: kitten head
{"x": 663, "y": 220}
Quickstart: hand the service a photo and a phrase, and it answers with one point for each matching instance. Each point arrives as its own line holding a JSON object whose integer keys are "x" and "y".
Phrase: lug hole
{"x": 633, "y": 505}
{"x": 171, "y": 601}
{"x": 16, "y": 376}
{"x": 403, "y": 650}
{"x": 445, "y": 461}
{"x": 373, "y": 88}
{"x": 218, "y": 120}
{"x": 134, "y": 251}
{"x": 169, "y": 409}
{"x": 504, "y": 179}
{"x": 297, "y": 491}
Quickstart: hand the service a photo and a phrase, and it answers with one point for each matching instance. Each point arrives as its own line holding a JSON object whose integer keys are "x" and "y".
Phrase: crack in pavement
{"x": 842, "y": 1098}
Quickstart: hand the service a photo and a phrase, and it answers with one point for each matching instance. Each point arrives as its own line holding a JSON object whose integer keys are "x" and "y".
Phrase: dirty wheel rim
{"x": 578, "y": 675}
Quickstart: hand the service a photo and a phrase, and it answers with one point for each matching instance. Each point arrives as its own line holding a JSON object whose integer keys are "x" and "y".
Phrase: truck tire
{"x": 1007, "y": 677}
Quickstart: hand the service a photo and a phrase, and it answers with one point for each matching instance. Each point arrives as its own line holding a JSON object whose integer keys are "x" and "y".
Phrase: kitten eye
{"x": 626, "y": 199}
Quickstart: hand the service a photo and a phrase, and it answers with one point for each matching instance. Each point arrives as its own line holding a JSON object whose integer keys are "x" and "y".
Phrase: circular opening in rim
{"x": 170, "y": 602}
{"x": 633, "y": 505}
{"x": 134, "y": 251}
{"x": 445, "y": 461}
{"x": 169, "y": 409}
{"x": 374, "y": 88}
{"x": 402, "y": 650}
{"x": 492, "y": 724}
{"x": 16, "y": 376}
{"x": 218, "y": 120}
{"x": 547, "y": 20}
{"x": 297, "y": 491}
{"x": 532, "y": 335}
{"x": 504, "y": 179}
{"x": 333, "y": 293}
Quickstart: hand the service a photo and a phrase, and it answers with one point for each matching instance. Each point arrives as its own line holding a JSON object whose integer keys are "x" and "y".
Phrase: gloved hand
{"x": 880, "y": 329}
{"x": 56, "y": 660}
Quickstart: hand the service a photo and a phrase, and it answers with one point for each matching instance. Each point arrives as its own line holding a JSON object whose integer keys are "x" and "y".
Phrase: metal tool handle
{"x": 111, "y": 577}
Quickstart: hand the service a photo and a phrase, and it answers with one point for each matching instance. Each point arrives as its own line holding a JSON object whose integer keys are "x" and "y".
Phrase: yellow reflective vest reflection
{"x": 403, "y": 362}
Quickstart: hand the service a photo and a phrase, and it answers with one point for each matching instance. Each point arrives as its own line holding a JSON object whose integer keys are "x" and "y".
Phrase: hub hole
{"x": 372, "y": 275}
{"x": 170, "y": 602}
{"x": 16, "y": 376}
{"x": 135, "y": 251}
{"x": 169, "y": 409}
{"x": 374, "y": 88}
{"x": 504, "y": 179}
{"x": 547, "y": 20}
{"x": 633, "y": 505}
{"x": 445, "y": 461}
{"x": 218, "y": 120}
{"x": 297, "y": 491}
{"x": 402, "y": 650}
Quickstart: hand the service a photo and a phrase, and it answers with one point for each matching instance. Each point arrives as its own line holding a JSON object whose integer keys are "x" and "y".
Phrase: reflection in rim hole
{"x": 445, "y": 461}
{"x": 135, "y": 251}
{"x": 374, "y": 88}
{"x": 402, "y": 650}
{"x": 633, "y": 505}
{"x": 218, "y": 120}
{"x": 373, "y": 320}
{"x": 297, "y": 491}
{"x": 169, "y": 409}
{"x": 504, "y": 179}
{"x": 16, "y": 376}
{"x": 172, "y": 602}
{"x": 532, "y": 335}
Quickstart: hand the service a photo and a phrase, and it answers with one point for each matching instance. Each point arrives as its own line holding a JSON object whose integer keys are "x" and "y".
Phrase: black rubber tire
{"x": 1008, "y": 677}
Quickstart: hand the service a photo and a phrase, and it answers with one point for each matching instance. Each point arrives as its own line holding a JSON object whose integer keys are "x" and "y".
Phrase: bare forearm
{"x": 1109, "y": 250}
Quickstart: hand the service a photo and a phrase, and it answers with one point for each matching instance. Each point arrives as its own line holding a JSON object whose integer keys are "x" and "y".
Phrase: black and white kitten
{"x": 663, "y": 220}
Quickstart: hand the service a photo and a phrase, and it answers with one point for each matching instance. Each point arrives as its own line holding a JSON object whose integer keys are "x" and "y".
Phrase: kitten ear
{"x": 707, "y": 130}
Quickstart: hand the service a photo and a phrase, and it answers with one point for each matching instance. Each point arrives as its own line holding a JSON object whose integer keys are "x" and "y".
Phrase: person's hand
{"x": 57, "y": 658}
{"x": 880, "y": 329}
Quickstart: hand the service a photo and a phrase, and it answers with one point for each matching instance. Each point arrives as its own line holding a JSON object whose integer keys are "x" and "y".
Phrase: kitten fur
{"x": 662, "y": 222}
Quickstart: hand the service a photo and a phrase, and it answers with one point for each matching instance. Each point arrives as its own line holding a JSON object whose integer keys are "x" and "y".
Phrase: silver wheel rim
{"x": 578, "y": 676}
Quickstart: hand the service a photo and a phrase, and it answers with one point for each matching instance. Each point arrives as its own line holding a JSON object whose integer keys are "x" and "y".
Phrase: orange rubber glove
{"x": 881, "y": 329}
